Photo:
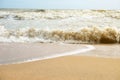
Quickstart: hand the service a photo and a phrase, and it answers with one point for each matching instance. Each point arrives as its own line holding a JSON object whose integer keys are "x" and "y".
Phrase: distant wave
{"x": 21, "y": 14}
{"x": 83, "y": 35}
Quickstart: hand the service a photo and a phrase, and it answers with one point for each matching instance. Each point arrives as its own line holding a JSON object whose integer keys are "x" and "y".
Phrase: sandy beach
{"x": 64, "y": 68}
{"x": 38, "y": 44}
{"x": 74, "y": 67}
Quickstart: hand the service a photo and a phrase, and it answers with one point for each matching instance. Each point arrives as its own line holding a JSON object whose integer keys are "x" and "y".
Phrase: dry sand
{"x": 64, "y": 68}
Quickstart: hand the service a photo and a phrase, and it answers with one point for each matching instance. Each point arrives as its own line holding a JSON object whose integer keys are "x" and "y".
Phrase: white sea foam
{"x": 75, "y": 30}
{"x": 83, "y": 35}
{"x": 70, "y": 26}
{"x": 56, "y": 14}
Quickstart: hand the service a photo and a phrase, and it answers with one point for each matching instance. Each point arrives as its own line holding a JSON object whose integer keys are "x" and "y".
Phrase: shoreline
{"x": 74, "y": 67}
{"x": 17, "y": 53}
{"x": 11, "y": 52}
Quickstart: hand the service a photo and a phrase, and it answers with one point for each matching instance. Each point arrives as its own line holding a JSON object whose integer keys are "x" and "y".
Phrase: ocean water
{"x": 69, "y": 26}
{"x": 58, "y": 26}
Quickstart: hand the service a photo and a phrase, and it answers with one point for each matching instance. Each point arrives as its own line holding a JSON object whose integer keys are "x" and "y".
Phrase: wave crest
{"x": 83, "y": 35}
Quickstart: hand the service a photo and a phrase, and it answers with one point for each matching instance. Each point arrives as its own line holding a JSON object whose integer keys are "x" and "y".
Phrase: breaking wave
{"x": 83, "y": 35}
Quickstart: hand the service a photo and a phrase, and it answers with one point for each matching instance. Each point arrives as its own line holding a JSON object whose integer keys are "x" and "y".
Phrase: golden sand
{"x": 64, "y": 68}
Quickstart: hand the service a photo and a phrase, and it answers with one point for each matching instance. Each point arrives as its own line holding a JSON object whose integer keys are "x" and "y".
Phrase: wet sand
{"x": 11, "y": 53}
{"x": 104, "y": 50}
{"x": 64, "y": 68}
{"x": 74, "y": 67}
